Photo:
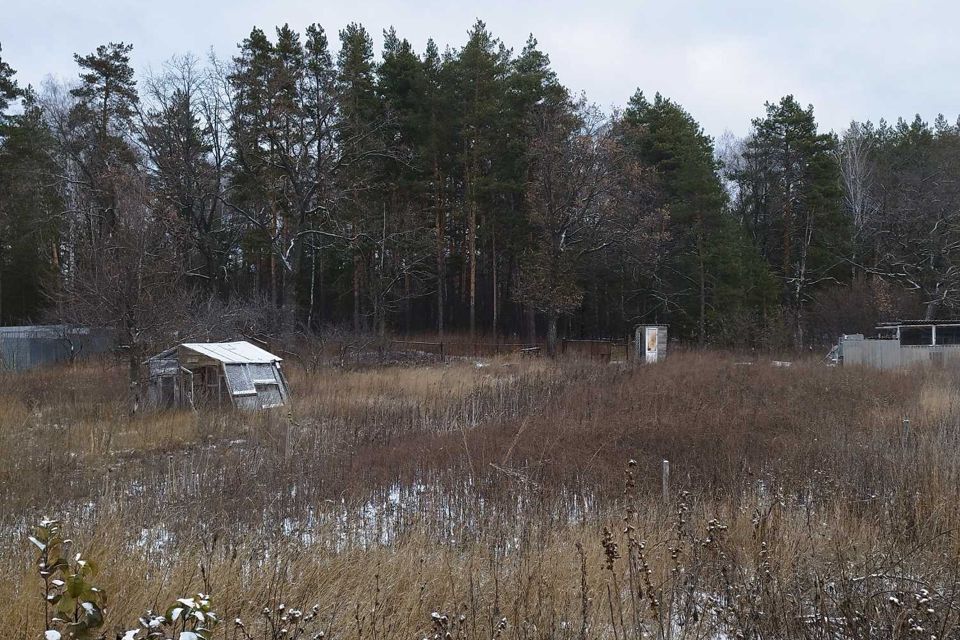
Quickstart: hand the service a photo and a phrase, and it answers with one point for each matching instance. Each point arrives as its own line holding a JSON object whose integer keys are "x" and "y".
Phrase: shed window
{"x": 916, "y": 336}
{"x": 262, "y": 373}
{"x": 240, "y": 382}
{"x": 948, "y": 334}
{"x": 269, "y": 395}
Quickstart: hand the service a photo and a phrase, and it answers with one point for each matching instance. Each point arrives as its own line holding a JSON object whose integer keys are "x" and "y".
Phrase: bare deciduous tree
{"x": 854, "y": 157}
{"x": 130, "y": 280}
{"x": 585, "y": 195}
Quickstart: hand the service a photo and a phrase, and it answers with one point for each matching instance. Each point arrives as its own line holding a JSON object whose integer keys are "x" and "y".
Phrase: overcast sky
{"x": 868, "y": 59}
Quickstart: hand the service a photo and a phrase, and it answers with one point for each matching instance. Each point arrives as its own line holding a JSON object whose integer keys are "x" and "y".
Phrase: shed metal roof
{"x": 915, "y": 323}
{"x": 232, "y": 352}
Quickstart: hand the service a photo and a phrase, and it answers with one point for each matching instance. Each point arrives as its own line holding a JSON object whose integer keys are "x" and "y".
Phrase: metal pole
{"x": 665, "y": 480}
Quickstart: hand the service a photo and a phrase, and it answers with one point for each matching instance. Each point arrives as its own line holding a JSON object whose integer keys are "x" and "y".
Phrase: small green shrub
{"x": 73, "y": 605}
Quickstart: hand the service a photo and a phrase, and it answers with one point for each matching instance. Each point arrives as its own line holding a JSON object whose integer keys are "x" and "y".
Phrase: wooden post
{"x": 665, "y": 480}
{"x": 905, "y": 433}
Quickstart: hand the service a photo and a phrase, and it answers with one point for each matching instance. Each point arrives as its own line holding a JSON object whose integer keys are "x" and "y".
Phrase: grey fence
{"x": 23, "y": 348}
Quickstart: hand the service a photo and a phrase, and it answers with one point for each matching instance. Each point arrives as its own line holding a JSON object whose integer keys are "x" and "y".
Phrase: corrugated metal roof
{"x": 232, "y": 352}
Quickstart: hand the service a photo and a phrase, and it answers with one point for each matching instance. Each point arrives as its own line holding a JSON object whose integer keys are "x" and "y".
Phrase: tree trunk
{"x": 133, "y": 363}
{"x": 274, "y": 292}
{"x": 381, "y": 300}
{"x": 472, "y": 250}
{"x": 493, "y": 267}
{"x": 530, "y": 322}
{"x": 552, "y": 320}
{"x": 313, "y": 287}
{"x": 787, "y": 231}
{"x": 322, "y": 293}
{"x": 1, "y": 287}
{"x": 701, "y": 267}
{"x": 357, "y": 264}
{"x": 407, "y": 303}
{"x": 441, "y": 258}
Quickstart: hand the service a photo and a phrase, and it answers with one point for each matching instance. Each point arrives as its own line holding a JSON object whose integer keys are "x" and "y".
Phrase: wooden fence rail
{"x": 597, "y": 349}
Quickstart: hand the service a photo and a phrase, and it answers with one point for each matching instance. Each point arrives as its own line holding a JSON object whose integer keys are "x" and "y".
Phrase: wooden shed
{"x": 236, "y": 374}
{"x": 650, "y": 342}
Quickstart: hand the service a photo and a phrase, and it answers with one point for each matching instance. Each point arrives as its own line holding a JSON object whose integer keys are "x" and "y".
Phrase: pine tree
{"x": 102, "y": 123}
{"x": 530, "y": 89}
{"x": 253, "y": 194}
{"x": 9, "y": 91}
{"x": 403, "y": 88}
{"x": 318, "y": 95}
{"x": 790, "y": 202}
{"x": 30, "y": 207}
{"x": 666, "y": 138}
{"x": 358, "y": 132}
{"x": 437, "y": 152}
{"x": 480, "y": 69}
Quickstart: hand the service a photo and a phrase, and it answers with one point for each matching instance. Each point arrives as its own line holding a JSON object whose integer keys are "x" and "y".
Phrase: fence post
{"x": 905, "y": 432}
{"x": 443, "y": 358}
{"x": 665, "y": 480}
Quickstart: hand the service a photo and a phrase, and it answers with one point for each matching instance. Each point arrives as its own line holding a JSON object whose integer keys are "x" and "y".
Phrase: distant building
{"x": 650, "y": 341}
{"x": 236, "y": 374}
{"x": 904, "y": 343}
{"x": 27, "y": 347}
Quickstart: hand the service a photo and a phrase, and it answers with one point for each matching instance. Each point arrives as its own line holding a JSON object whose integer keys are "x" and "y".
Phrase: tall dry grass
{"x": 798, "y": 506}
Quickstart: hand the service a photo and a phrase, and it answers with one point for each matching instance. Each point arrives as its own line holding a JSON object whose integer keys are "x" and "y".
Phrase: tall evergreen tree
{"x": 358, "y": 134}
{"x": 9, "y": 91}
{"x": 703, "y": 237}
{"x": 403, "y": 88}
{"x": 480, "y": 70}
{"x": 530, "y": 89}
{"x": 253, "y": 195}
{"x": 30, "y": 206}
{"x": 102, "y": 123}
{"x": 790, "y": 203}
{"x": 438, "y": 155}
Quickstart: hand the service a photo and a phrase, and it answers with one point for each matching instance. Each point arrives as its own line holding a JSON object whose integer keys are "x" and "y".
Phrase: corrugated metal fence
{"x": 26, "y": 347}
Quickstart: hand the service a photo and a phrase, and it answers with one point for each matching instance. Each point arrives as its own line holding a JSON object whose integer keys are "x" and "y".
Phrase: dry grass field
{"x": 508, "y": 498}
